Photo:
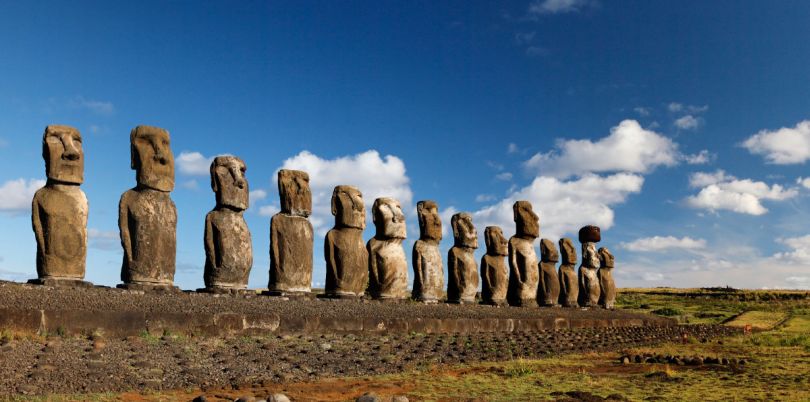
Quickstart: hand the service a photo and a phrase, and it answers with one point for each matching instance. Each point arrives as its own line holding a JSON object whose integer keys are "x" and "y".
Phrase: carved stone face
{"x": 430, "y": 225}
{"x": 606, "y": 258}
{"x": 152, "y": 158}
{"x": 348, "y": 207}
{"x": 496, "y": 242}
{"x": 548, "y": 252}
{"x": 293, "y": 188}
{"x": 63, "y": 154}
{"x": 569, "y": 253}
{"x": 229, "y": 183}
{"x": 590, "y": 258}
{"x": 527, "y": 222}
{"x": 464, "y": 234}
{"x": 388, "y": 219}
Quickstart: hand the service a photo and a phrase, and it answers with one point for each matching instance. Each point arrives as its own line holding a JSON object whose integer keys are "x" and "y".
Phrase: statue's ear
{"x": 133, "y": 157}
{"x": 335, "y": 195}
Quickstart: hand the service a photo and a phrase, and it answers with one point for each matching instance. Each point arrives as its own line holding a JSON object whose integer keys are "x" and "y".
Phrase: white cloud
{"x": 194, "y": 163}
{"x": 512, "y": 148}
{"x": 101, "y": 234}
{"x": 701, "y": 158}
{"x": 190, "y": 184}
{"x": 675, "y": 107}
{"x": 95, "y": 106}
{"x": 108, "y": 240}
{"x": 652, "y": 276}
{"x": 725, "y": 192}
{"x": 16, "y": 195}
{"x": 799, "y": 253}
{"x": 628, "y": 148}
{"x": 505, "y": 176}
{"x": 642, "y": 111}
{"x": 799, "y": 282}
{"x": 687, "y": 122}
{"x": 484, "y": 197}
{"x": 783, "y": 146}
{"x": 269, "y": 210}
{"x": 375, "y": 176}
{"x": 804, "y": 182}
{"x": 257, "y": 195}
{"x": 539, "y": 7}
{"x": 564, "y": 206}
{"x": 664, "y": 243}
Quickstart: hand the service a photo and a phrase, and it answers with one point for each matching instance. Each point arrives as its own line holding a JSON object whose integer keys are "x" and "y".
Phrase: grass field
{"x": 772, "y": 363}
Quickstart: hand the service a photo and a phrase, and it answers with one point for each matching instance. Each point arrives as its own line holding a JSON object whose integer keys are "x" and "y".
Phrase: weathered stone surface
{"x": 462, "y": 284}
{"x": 228, "y": 246}
{"x": 291, "y": 235}
{"x": 548, "y": 293}
{"x": 387, "y": 267}
{"x": 59, "y": 210}
{"x": 428, "y": 270}
{"x": 147, "y": 216}
{"x": 590, "y": 234}
{"x": 607, "y": 298}
{"x": 494, "y": 274}
{"x": 345, "y": 253}
{"x": 589, "y": 290}
{"x": 523, "y": 271}
{"x": 569, "y": 283}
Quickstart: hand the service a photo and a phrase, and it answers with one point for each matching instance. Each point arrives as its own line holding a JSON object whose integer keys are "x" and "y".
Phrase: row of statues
{"x": 148, "y": 221}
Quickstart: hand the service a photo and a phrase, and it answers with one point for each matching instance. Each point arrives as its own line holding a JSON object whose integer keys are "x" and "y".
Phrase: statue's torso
{"x": 152, "y": 225}
{"x": 62, "y": 213}
{"x": 233, "y": 249}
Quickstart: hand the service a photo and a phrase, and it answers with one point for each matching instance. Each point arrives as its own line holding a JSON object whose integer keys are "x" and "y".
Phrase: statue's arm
{"x": 36, "y": 221}
{"x": 329, "y": 256}
{"x": 513, "y": 263}
{"x": 416, "y": 261}
{"x": 209, "y": 242}
{"x": 123, "y": 227}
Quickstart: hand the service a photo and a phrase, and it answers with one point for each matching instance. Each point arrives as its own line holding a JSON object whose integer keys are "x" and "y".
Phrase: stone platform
{"x": 40, "y": 309}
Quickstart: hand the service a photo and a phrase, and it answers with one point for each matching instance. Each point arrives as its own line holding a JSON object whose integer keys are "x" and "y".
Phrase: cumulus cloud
{"x": 642, "y": 111}
{"x": 799, "y": 253}
{"x": 664, "y": 243}
{"x": 16, "y": 195}
{"x": 541, "y": 7}
{"x": 701, "y": 158}
{"x": 725, "y": 192}
{"x": 564, "y": 206}
{"x": 783, "y": 146}
{"x": 628, "y": 148}
{"x": 484, "y": 197}
{"x": 374, "y": 175}
{"x": 676, "y": 107}
{"x": 257, "y": 195}
{"x": 512, "y": 148}
{"x": 687, "y": 122}
{"x": 269, "y": 210}
{"x": 194, "y": 163}
{"x": 505, "y": 176}
{"x": 803, "y": 181}
{"x": 95, "y": 106}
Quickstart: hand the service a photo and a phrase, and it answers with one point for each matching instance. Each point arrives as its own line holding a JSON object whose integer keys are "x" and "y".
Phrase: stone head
{"x": 229, "y": 183}
{"x": 348, "y": 207}
{"x": 464, "y": 234}
{"x": 388, "y": 219}
{"x": 293, "y": 188}
{"x": 590, "y": 258}
{"x": 430, "y": 225}
{"x": 151, "y": 157}
{"x": 568, "y": 251}
{"x": 606, "y": 258}
{"x": 590, "y": 234}
{"x": 63, "y": 154}
{"x": 526, "y": 221}
{"x": 548, "y": 252}
{"x": 496, "y": 242}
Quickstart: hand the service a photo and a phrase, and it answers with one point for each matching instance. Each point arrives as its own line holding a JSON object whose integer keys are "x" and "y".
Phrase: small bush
{"x": 667, "y": 312}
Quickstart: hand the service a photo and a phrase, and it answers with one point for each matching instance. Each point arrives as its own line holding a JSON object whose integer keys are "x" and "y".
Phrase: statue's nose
{"x": 71, "y": 155}
{"x": 160, "y": 158}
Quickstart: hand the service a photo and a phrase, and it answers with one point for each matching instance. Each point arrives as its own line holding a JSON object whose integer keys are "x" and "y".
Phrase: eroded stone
{"x": 59, "y": 210}
{"x": 494, "y": 274}
{"x": 345, "y": 253}
{"x": 589, "y": 290}
{"x": 523, "y": 271}
{"x": 548, "y": 292}
{"x": 147, "y": 216}
{"x": 291, "y": 235}
{"x": 387, "y": 267}
{"x": 569, "y": 283}
{"x": 590, "y": 234}
{"x": 462, "y": 284}
{"x": 428, "y": 269}
{"x": 607, "y": 298}
{"x": 228, "y": 246}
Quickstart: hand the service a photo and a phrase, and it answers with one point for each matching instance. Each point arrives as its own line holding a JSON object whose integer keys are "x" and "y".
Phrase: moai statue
{"x": 59, "y": 210}
{"x": 428, "y": 271}
{"x": 494, "y": 275}
{"x": 548, "y": 293}
{"x": 607, "y": 299}
{"x": 346, "y": 255}
{"x": 147, "y": 217}
{"x": 569, "y": 283}
{"x": 291, "y": 237}
{"x": 588, "y": 281}
{"x": 462, "y": 284}
{"x": 387, "y": 267}
{"x": 523, "y": 272}
{"x": 228, "y": 247}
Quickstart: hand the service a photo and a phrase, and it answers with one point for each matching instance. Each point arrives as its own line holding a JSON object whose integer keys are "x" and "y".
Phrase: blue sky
{"x": 679, "y": 127}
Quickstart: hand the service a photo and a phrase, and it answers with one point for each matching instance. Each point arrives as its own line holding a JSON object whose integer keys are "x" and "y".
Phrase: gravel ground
{"x": 50, "y": 365}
